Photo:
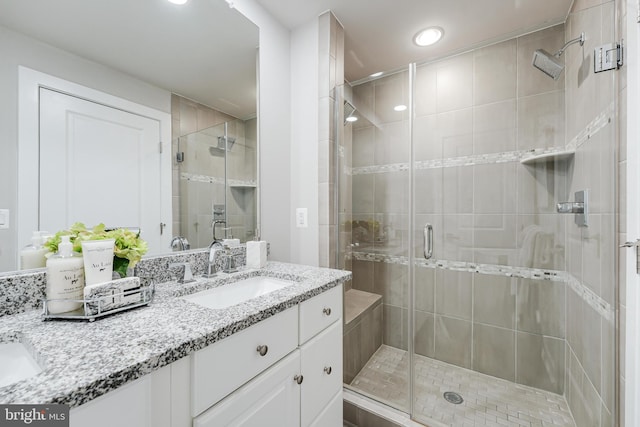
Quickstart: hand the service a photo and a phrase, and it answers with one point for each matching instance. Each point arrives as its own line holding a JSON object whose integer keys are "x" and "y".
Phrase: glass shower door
{"x": 374, "y": 218}
{"x": 514, "y": 312}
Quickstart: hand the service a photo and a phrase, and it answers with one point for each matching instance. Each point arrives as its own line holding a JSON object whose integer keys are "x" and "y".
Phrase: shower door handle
{"x": 428, "y": 241}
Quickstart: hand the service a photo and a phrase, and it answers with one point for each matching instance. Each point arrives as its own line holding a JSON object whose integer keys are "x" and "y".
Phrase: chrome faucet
{"x": 213, "y": 225}
{"x": 180, "y": 243}
{"x": 187, "y": 275}
{"x": 214, "y": 249}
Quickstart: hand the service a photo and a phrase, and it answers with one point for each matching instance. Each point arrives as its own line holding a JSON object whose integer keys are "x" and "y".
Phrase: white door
{"x": 100, "y": 165}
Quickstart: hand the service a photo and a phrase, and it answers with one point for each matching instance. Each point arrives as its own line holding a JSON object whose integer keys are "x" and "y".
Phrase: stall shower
{"x": 474, "y": 301}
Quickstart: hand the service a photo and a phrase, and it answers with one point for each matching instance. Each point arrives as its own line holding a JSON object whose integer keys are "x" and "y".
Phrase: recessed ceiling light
{"x": 428, "y": 36}
{"x": 351, "y": 119}
{"x": 400, "y": 107}
{"x": 378, "y": 74}
{"x": 178, "y": 1}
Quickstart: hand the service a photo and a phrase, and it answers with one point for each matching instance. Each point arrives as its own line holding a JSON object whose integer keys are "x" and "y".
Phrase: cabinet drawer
{"x": 321, "y": 366}
{"x": 221, "y": 368}
{"x": 319, "y": 312}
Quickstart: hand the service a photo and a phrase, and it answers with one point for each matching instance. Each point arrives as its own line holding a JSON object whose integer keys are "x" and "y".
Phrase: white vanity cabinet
{"x": 283, "y": 371}
{"x": 303, "y": 389}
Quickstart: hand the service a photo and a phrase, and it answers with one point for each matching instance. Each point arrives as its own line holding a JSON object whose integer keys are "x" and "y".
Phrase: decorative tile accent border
{"x": 596, "y": 125}
{"x": 216, "y": 180}
{"x": 590, "y": 297}
{"x": 201, "y": 178}
{"x": 596, "y": 302}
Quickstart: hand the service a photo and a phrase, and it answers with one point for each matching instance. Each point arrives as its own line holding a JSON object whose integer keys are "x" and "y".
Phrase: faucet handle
{"x": 187, "y": 275}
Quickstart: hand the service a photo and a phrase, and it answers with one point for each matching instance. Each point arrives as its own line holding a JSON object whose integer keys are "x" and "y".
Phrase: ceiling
{"x": 379, "y": 33}
{"x": 178, "y": 48}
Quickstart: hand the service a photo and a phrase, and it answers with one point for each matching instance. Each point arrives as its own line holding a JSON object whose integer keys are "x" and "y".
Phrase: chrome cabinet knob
{"x": 262, "y": 349}
{"x": 327, "y": 369}
{"x": 298, "y": 379}
{"x": 327, "y": 311}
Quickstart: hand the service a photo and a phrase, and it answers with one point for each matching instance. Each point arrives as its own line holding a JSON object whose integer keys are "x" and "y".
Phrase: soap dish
{"x": 103, "y": 300}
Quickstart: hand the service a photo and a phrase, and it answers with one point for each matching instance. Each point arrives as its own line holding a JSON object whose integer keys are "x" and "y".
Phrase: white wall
{"x": 304, "y": 141}
{"x": 15, "y": 50}
{"x": 274, "y": 116}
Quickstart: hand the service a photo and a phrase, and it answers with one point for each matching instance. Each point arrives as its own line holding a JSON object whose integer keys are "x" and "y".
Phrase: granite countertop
{"x": 83, "y": 360}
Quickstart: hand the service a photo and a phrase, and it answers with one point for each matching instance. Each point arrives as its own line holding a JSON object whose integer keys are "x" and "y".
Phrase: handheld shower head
{"x": 548, "y": 63}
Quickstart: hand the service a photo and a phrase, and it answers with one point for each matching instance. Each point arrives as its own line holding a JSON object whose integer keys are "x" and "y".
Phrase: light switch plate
{"x": 4, "y": 218}
{"x": 301, "y": 218}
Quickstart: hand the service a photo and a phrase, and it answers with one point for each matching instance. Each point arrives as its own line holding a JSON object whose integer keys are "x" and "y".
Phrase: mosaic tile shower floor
{"x": 488, "y": 401}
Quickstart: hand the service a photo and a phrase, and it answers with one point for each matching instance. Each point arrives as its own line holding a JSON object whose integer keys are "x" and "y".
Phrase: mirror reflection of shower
{"x": 349, "y": 113}
{"x": 217, "y": 169}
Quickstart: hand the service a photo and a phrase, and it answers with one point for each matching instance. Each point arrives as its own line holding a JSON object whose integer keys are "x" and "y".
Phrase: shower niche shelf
{"x": 547, "y": 157}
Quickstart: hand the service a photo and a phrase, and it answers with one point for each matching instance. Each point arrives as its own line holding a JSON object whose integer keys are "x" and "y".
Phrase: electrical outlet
{"x": 301, "y": 218}
{"x": 4, "y": 218}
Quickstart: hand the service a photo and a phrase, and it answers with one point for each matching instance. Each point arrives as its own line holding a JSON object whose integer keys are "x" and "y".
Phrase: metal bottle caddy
{"x": 108, "y": 298}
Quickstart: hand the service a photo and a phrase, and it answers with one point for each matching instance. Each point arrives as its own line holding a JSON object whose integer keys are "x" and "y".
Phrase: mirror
{"x": 195, "y": 61}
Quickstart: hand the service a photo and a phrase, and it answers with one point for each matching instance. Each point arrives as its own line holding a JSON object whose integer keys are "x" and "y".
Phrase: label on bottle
{"x": 65, "y": 280}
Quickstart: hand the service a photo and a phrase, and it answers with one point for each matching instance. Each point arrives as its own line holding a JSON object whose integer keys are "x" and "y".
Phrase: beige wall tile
{"x": 494, "y": 127}
{"x": 495, "y": 188}
{"x": 391, "y": 192}
{"x": 453, "y": 341}
{"x": 424, "y": 288}
{"x": 541, "y": 307}
{"x": 389, "y": 92}
{"x": 424, "y": 331}
{"x": 457, "y": 243}
{"x": 541, "y": 122}
{"x": 426, "y": 89}
{"x": 455, "y": 83}
{"x": 457, "y": 190}
{"x": 540, "y": 362}
{"x": 494, "y": 300}
{"x": 494, "y": 73}
{"x": 541, "y": 241}
{"x": 454, "y": 293}
{"x": 494, "y": 351}
{"x": 392, "y": 143}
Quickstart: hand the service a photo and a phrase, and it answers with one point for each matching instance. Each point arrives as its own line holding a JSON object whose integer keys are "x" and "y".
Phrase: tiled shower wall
{"x": 590, "y": 346}
{"x": 477, "y": 114}
{"x": 330, "y": 73}
{"x": 546, "y": 319}
{"x": 198, "y": 182}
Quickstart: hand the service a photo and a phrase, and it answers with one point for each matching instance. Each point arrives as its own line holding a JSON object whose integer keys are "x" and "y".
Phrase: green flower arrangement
{"x": 128, "y": 250}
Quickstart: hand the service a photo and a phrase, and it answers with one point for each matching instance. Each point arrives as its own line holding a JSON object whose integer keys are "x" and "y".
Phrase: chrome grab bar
{"x": 428, "y": 241}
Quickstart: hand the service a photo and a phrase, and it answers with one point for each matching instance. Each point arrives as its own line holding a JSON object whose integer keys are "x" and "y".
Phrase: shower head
{"x": 222, "y": 146}
{"x": 348, "y": 112}
{"x": 550, "y": 64}
{"x": 547, "y": 63}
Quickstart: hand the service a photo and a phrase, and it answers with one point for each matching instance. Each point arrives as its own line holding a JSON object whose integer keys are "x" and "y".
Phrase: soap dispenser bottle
{"x": 33, "y": 255}
{"x": 65, "y": 279}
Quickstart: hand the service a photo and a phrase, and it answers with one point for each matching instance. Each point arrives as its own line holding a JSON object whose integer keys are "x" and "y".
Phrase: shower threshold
{"x": 487, "y": 401}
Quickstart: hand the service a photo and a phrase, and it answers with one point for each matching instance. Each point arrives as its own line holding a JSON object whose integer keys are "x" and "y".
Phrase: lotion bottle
{"x": 65, "y": 279}
{"x": 33, "y": 255}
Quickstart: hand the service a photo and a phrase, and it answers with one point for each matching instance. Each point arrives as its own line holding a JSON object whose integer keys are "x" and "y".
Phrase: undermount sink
{"x": 16, "y": 364}
{"x": 237, "y": 292}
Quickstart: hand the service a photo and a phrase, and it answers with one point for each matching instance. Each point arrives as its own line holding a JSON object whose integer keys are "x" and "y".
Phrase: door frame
{"x": 631, "y": 415}
{"x": 29, "y": 83}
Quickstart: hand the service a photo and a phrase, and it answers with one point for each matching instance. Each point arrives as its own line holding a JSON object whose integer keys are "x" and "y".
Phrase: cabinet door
{"x": 146, "y": 402}
{"x": 331, "y": 415}
{"x": 271, "y": 399}
{"x": 322, "y": 369}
